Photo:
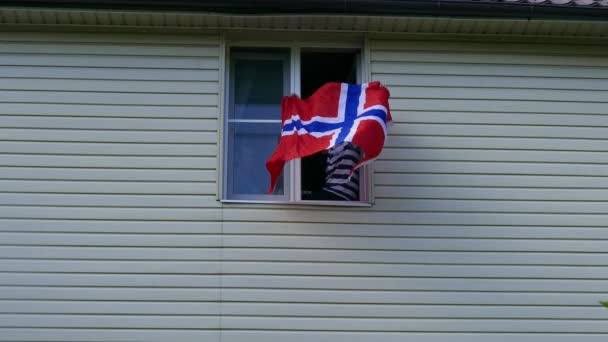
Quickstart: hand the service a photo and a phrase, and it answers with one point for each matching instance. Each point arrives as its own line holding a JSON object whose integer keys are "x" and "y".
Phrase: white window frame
{"x": 292, "y": 170}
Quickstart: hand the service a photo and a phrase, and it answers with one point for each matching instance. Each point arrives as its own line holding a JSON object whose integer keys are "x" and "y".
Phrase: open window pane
{"x": 317, "y": 68}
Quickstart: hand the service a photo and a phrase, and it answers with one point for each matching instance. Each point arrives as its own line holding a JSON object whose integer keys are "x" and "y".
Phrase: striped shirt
{"x": 339, "y": 176}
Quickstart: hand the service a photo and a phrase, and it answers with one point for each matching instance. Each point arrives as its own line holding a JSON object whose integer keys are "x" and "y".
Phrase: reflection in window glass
{"x": 258, "y": 81}
{"x": 252, "y": 144}
{"x": 258, "y": 89}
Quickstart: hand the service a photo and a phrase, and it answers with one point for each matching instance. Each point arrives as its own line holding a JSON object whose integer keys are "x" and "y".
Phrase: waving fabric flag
{"x": 335, "y": 113}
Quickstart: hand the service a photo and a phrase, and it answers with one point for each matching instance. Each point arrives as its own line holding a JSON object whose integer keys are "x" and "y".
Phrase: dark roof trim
{"x": 443, "y": 8}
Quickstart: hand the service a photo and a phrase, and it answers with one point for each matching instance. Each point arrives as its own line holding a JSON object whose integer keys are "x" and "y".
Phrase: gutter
{"x": 429, "y": 8}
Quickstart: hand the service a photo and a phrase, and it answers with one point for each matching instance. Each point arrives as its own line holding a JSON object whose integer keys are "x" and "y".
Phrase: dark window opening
{"x": 317, "y": 68}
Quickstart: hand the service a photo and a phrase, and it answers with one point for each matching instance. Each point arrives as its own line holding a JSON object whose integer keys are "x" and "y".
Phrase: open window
{"x": 257, "y": 79}
{"x": 318, "y": 67}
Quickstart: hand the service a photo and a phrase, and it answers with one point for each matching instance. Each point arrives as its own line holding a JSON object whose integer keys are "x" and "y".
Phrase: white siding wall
{"x": 489, "y": 222}
{"x": 110, "y": 226}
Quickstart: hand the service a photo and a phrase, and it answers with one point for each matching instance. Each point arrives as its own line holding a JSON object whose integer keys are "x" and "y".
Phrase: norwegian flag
{"x": 335, "y": 113}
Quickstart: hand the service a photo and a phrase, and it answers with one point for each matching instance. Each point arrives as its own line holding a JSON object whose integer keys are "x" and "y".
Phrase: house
{"x": 132, "y": 140}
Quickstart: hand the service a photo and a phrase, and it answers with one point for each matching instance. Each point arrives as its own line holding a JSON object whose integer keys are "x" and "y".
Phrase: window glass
{"x": 252, "y": 144}
{"x": 258, "y": 81}
{"x": 258, "y": 84}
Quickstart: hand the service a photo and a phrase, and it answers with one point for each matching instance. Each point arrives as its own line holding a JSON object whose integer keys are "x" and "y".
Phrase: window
{"x": 257, "y": 80}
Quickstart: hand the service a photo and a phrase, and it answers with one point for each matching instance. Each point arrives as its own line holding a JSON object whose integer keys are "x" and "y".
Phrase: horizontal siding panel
{"x": 417, "y": 255}
{"x": 126, "y": 39}
{"x": 499, "y": 106}
{"x": 477, "y": 193}
{"x": 110, "y": 253}
{"x": 109, "y": 161}
{"x": 486, "y": 69}
{"x": 491, "y": 168}
{"x": 91, "y": 73}
{"x": 398, "y": 230}
{"x": 158, "y": 321}
{"x": 365, "y": 216}
{"x": 394, "y": 243}
{"x": 110, "y": 123}
{"x": 107, "y": 335}
{"x": 407, "y": 325}
{"x": 479, "y": 93}
{"x": 347, "y": 336}
{"x": 397, "y": 298}
{"x": 495, "y": 155}
{"x": 307, "y": 255}
{"x": 448, "y": 205}
{"x": 408, "y": 311}
{"x": 500, "y": 131}
{"x": 20, "y": 96}
{"x": 93, "y": 307}
{"x": 92, "y": 226}
{"x": 108, "y": 239}
{"x": 492, "y": 81}
{"x": 110, "y": 280}
{"x": 166, "y": 201}
{"x": 495, "y": 181}
{"x": 118, "y": 149}
{"x": 501, "y": 119}
{"x": 107, "y": 136}
{"x": 100, "y": 174}
{"x": 379, "y": 270}
{"x": 513, "y": 143}
{"x": 488, "y": 58}
{"x": 98, "y": 86}
{"x": 32, "y": 293}
{"x": 110, "y": 61}
{"x": 93, "y": 187}
{"x": 98, "y": 319}
{"x": 426, "y": 284}
{"x": 194, "y": 48}
{"x": 87, "y": 110}
{"x": 544, "y": 302}
{"x": 92, "y": 213}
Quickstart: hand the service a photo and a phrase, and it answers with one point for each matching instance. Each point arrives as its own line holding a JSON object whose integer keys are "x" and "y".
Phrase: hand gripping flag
{"x": 335, "y": 113}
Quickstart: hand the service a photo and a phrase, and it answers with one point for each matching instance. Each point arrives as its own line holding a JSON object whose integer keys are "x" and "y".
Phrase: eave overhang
{"x": 191, "y": 14}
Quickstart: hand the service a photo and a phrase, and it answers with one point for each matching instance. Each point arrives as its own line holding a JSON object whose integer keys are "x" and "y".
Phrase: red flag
{"x": 336, "y": 112}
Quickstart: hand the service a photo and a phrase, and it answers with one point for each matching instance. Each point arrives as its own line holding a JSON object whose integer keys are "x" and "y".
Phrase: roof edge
{"x": 435, "y": 8}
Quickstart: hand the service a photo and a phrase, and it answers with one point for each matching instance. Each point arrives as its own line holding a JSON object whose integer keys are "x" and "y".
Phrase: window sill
{"x": 303, "y": 202}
